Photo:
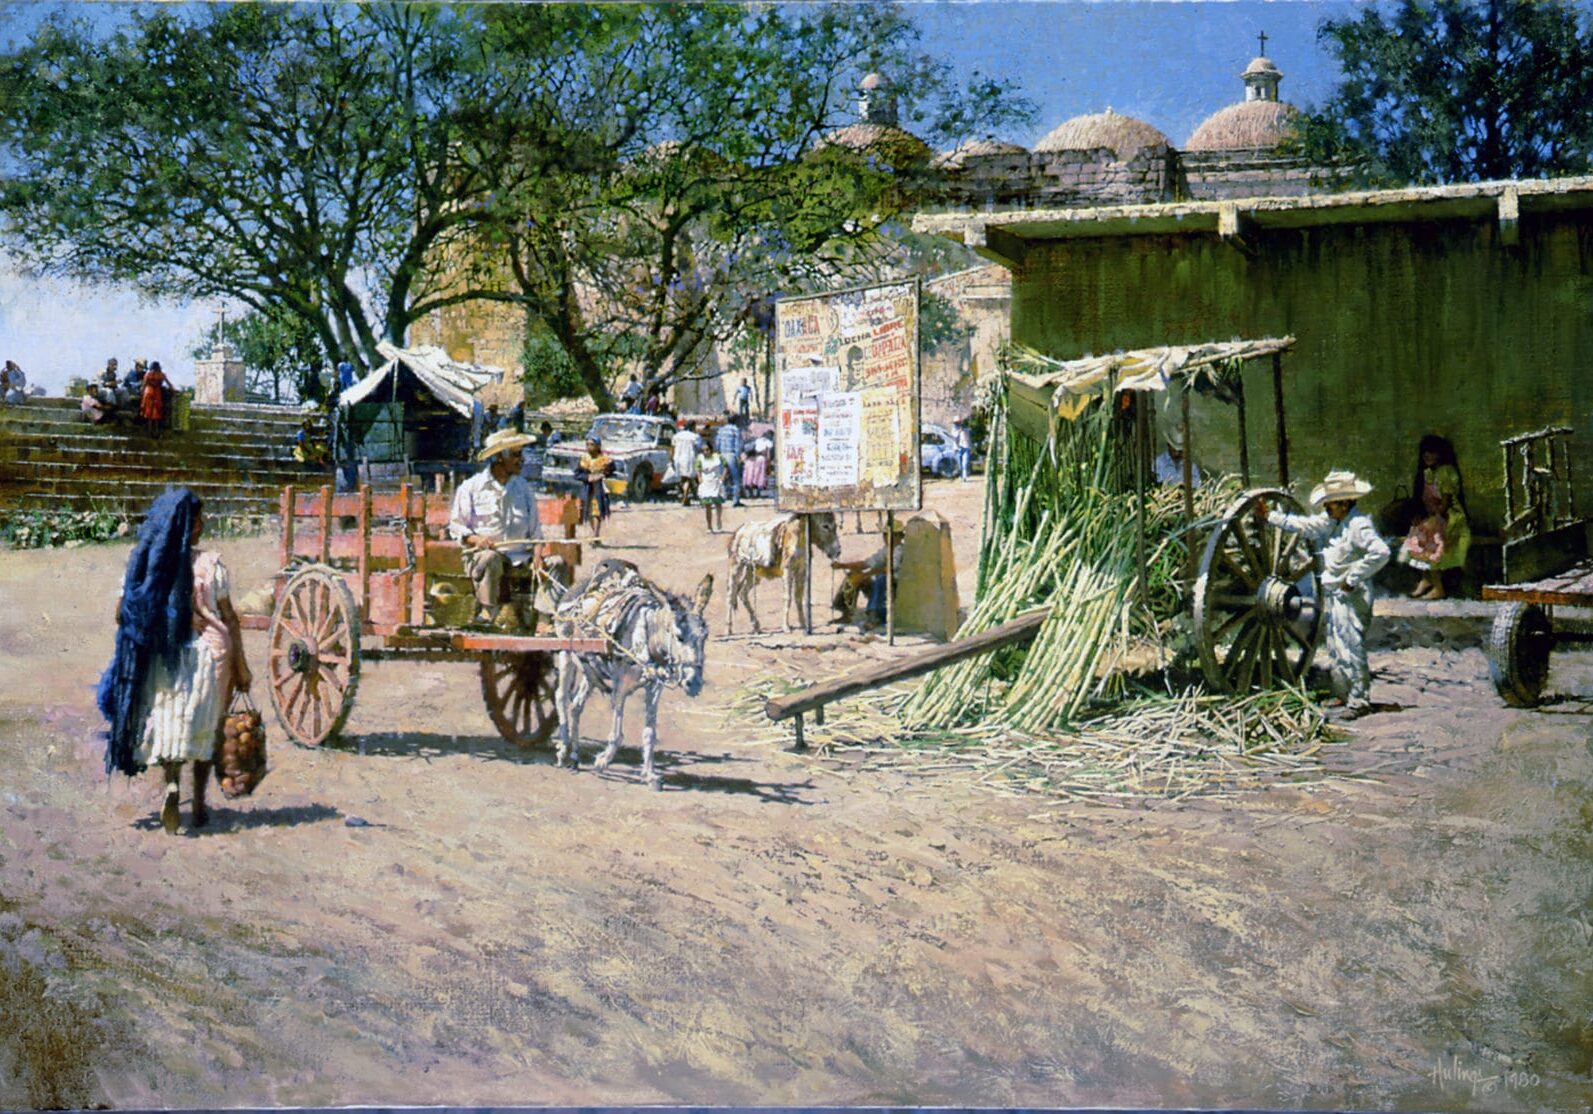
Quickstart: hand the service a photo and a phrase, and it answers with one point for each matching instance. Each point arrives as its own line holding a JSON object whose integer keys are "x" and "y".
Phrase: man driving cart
{"x": 494, "y": 517}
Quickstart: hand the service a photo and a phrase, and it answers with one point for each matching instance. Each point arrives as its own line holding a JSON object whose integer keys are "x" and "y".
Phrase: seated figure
{"x": 867, "y": 575}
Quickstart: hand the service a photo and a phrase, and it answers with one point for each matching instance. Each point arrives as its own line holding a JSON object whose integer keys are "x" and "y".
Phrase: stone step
{"x": 161, "y": 453}
{"x": 100, "y": 474}
{"x": 136, "y": 495}
{"x": 131, "y": 507}
{"x": 57, "y": 412}
{"x": 171, "y": 441}
{"x": 54, "y": 422}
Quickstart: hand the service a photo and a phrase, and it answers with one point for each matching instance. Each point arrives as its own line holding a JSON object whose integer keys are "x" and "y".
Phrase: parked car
{"x": 639, "y": 444}
{"x": 937, "y": 451}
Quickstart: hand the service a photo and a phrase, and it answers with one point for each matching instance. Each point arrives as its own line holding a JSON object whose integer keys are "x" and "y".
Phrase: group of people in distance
{"x": 13, "y": 384}
{"x": 144, "y": 395}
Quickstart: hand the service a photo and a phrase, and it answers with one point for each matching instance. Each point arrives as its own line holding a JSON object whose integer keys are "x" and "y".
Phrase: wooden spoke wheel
{"x": 1257, "y": 608}
{"x": 314, "y": 655}
{"x": 1518, "y": 652}
{"x": 519, "y": 692}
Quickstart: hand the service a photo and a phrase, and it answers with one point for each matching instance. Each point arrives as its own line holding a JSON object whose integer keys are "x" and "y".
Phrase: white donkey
{"x": 655, "y": 639}
{"x": 775, "y": 548}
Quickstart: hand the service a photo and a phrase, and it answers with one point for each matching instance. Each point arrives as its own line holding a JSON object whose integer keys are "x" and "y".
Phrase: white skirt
{"x": 185, "y": 708}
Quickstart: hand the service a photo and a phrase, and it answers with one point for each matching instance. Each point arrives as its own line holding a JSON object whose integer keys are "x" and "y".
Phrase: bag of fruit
{"x": 241, "y": 758}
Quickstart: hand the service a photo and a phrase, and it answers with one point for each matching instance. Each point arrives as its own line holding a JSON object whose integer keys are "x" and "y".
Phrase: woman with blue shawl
{"x": 179, "y": 654}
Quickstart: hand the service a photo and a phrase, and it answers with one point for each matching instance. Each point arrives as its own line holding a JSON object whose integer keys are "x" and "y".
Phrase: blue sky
{"x": 1171, "y": 64}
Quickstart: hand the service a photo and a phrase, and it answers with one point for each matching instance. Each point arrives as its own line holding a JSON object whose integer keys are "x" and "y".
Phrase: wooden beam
{"x": 1011, "y": 633}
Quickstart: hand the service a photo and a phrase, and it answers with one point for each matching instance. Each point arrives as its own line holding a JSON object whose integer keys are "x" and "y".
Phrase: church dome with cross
{"x": 1260, "y": 121}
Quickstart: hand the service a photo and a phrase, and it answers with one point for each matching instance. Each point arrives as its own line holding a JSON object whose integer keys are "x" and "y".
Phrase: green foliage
{"x": 50, "y": 529}
{"x": 46, "y": 529}
{"x": 1458, "y": 90}
{"x": 549, "y": 372}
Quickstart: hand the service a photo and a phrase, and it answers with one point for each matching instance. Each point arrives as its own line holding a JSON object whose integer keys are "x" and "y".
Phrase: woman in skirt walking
{"x": 179, "y": 655}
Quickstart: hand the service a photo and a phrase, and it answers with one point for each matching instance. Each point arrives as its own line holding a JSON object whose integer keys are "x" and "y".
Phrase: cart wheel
{"x": 519, "y": 691}
{"x": 314, "y": 655}
{"x": 1256, "y": 611}
{"x": 1518, "y": 652}
{"x": 640, "y": 486}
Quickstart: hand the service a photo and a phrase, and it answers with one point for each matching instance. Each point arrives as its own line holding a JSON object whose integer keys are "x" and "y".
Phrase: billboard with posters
{"x": 846, "y": 400}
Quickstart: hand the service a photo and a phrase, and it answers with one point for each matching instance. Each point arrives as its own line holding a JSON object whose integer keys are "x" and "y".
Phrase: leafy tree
{"x": 708, "y": 178}
{"x": 1459, "y": 90}
{"x": 634, "y": 176}
{"x": 298, "y": 159}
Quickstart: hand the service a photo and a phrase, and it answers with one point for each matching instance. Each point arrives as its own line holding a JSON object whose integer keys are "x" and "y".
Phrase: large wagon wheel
{"x": 519, "y": 692}
{"x": 1256, "y": 609}
{"x": 1518, "y": 652}
{"x": 314, "y": 655}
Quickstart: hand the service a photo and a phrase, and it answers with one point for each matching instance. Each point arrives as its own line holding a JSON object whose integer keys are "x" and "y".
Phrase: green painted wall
{"x": 1402, "y": 329}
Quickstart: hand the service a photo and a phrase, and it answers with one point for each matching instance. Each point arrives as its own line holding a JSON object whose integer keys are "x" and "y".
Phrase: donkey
{"x": 775, "y": 548}
{"x": 656, "y": 639}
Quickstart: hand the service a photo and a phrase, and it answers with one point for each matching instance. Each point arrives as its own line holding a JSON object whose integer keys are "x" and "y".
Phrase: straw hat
{"x": 503, "y": 441}
{"x": 1339, "y": 485}
{"x": 1174, "y": 438}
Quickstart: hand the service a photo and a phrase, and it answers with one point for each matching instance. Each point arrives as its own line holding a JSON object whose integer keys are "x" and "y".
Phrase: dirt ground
{"x": 774, "y": 928}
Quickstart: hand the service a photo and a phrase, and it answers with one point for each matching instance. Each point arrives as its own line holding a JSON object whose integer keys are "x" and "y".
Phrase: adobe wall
{"x": 1403, "y": 329}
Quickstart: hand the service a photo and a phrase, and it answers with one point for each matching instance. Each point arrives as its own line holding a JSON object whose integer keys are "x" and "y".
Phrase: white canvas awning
{"x": 1076, "y": 382}
{"x": 453, "y": 383}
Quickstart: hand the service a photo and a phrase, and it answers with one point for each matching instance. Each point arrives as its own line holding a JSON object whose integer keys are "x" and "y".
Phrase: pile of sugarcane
{"x": 1191, "y": 744}
{"x": 1064, "y": 715}
{"x": 1060, "y": 531}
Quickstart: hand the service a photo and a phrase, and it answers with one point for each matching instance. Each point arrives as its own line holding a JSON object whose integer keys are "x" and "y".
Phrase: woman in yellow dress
{"x": 592, "y": 470}
{"x": 1441, "y": 535}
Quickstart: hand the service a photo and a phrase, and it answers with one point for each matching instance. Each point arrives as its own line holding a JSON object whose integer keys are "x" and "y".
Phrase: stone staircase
{"x": 235, "y": 458}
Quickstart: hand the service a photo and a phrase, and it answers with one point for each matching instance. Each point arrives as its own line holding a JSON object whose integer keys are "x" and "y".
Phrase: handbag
{"x": 241, "y": 758}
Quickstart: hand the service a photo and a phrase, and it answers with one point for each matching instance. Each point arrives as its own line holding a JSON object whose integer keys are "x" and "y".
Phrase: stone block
{"x": 220, "y": 378}
{"x": 926, "y": 586}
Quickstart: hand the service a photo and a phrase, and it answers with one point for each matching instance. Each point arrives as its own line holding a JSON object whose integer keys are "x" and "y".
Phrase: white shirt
{"x": 504, "y": 511}
{"x": 964, "y": 438}
{"x": 686, "y": 444}
{"x": 1170, "y": 471}
{"x": 1352, "y": 549}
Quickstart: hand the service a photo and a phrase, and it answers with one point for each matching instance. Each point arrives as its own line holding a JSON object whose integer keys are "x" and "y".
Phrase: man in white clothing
{"x": 686, "y": 446}
{"x": 495, "y": 517}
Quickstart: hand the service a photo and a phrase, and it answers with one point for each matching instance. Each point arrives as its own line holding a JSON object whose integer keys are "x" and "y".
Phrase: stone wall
{"x": 982, "y": 297}
{"x": 1222, "y": 175}
{"x": 1060, "y": 179}
{"x": 1404, "y": 328}
{"x": 490, "y": 333}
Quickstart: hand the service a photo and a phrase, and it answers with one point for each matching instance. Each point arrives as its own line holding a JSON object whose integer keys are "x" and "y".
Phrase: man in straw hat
{"x": 495, "y": 517}
{"x": 1352, "y": 552}
{"x": 1169, "y": 466}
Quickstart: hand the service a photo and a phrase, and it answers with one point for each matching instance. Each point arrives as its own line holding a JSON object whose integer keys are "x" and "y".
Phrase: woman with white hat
{"x": 1352, "y": 552}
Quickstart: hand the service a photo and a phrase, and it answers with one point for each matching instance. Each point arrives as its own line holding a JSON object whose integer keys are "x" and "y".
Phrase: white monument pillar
{"x": 219, "y": 378}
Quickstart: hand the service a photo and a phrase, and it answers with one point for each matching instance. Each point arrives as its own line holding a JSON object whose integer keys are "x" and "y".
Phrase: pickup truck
{"x": 639, "y": 444}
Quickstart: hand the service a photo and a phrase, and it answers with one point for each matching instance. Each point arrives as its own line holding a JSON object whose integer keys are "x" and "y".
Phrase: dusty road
{"x": 778, "y": 928}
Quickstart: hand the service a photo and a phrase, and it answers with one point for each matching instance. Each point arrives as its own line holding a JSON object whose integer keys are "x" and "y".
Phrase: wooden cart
{"x": 1546, "y": 564}
{"x": 361, "y": 581}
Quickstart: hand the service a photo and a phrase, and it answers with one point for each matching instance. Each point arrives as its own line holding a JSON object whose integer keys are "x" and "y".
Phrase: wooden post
{"x": 1189, "y": 499}
{"x": 801, "y": 744}
{"x": 1141, "y": 462}
{"x": 890, "y": 578}
{"x": 286, "y": 512}
{"x": 807, "y": 591}
{"x": 1244, "y": 439}
{"x": 1277, "y": 410}
{"x": 326, "y": 524}
{"x": 365, "y": 549}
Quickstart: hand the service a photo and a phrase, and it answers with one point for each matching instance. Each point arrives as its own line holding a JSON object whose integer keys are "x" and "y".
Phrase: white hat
{"x": 1339, "y": 485}
{"x": 503, "y": 441}
{"x": 1175, "y": 438}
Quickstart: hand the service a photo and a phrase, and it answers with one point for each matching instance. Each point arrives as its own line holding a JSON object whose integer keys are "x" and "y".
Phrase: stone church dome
{"x": 975, "y": 148}
{"x": 1245, "y": 125}
{"x": 1260, "y": 120}
{"x": 877, "y": 130}
{"x": 1124, "y": 136}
